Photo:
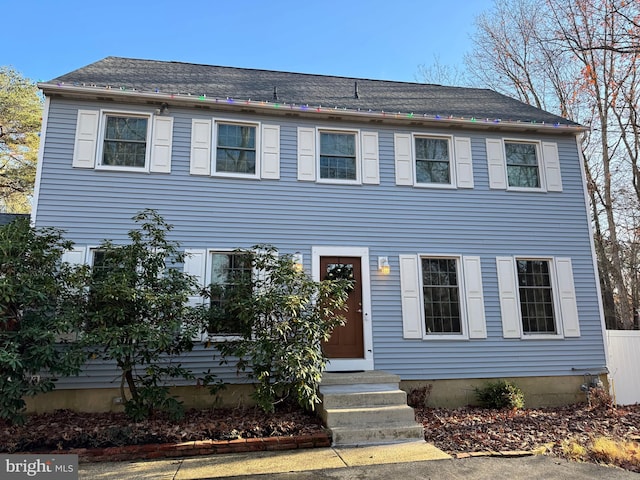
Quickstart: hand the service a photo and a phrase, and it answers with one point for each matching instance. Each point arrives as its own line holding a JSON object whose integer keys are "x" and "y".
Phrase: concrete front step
{"x": 346, "y": 399}
{"x": 363, "y": 408}
{"x": 377, "y": 435}
{"x": 366, "y": 416}
{"x": 352, "y": 378}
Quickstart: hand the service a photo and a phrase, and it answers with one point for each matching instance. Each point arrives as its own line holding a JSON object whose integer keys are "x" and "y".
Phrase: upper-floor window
{"x": 338, "y": 156}
{"x": 523, "y": 168}
{"x": 229, "y": 148}
{"x": 235, "y": 149}
{"x": 523, "y": 165}
{"x": 440, "y": 161}
{"x": 433, "y": 164}
{"x": 123, "y": 140}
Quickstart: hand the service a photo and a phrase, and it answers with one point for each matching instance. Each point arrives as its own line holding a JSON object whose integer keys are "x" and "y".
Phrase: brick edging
{"x": 198, "y": 447}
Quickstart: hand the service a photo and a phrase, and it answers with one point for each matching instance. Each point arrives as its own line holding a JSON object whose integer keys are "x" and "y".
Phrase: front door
{"x": 346, "y": 341}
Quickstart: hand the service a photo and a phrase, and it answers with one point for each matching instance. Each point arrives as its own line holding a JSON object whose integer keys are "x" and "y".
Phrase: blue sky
{"x": 378, "y": 39}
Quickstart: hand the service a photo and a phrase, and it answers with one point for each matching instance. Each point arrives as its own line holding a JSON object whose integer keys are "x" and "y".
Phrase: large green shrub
{"x": 284, "y": 317}
{"x": 137, "y": 315}
{"x": 40, "y": 308}
{"x": 500, "y": 394}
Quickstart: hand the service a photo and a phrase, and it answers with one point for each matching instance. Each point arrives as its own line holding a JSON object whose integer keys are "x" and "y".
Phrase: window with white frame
{"x": 228, "y": 275}
{"x": 431, "y": 160}
{"x": 235, "y": 148}
{"x": 230, "y": 278}
{"x": 229, "y": 148}
{"x": 442, "y": 297}
{"x": 338, "y": 156}
{"x": 123, "y": 140}
{"x": 537, "y": 297}
{"x": 523, "y": 168}
{"x": 433, "y": 163}
{"x": 520, "y": 164}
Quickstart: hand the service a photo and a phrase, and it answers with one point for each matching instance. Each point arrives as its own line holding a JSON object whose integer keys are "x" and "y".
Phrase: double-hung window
{"x": 229, "y": 276}
{"x": 433, "y": 162}
{"x": 338, "y": 156}
{"x": 125, "y": 141}
{"x": 133, "y": 141}
{"x": 442, "y": 297}
{"x": 523, "y": 165}
{"x": 537, "y": 297}
{"x": 235, "y": 148}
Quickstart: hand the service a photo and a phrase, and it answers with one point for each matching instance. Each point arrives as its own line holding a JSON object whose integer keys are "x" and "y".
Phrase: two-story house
{"x": 460, "y": 212}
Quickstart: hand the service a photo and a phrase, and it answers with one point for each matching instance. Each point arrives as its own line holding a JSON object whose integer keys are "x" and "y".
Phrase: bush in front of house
{"x": 287, "y": 317}
{"x": 500, "y": 394}
{"x": 40, "y": 308}
{"x": 137, "y": 315}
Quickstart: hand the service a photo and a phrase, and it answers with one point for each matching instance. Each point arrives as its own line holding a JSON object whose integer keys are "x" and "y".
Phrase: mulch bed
{"x": 456, "y": 431}
{"x": 65, "y": 429}
{"x": 473, "y": 429}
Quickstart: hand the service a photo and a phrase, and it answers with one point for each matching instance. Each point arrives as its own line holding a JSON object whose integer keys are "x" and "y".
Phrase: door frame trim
{"x": 347, "y": 364}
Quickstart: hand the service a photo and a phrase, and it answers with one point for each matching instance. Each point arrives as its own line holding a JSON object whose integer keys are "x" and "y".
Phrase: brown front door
{"x": 346, "y": 341}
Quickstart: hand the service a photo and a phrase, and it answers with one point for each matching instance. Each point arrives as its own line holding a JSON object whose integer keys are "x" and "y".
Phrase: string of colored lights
{"x": 318, "y": 108}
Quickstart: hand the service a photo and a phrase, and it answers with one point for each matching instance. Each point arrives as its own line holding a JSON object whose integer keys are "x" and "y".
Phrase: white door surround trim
{"x": 346, "y": 364}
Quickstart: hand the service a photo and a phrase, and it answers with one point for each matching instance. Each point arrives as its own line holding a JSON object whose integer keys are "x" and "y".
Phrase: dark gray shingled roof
{"x": 6, "y": 218}
{"x": 305, "y": 89}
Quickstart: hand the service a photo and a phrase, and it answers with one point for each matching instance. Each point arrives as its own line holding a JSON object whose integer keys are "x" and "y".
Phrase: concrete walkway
{"x": 406, "y": 461}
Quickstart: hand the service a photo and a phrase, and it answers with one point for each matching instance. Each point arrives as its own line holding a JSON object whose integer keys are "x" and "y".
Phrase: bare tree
{"x": 580, "y": 60}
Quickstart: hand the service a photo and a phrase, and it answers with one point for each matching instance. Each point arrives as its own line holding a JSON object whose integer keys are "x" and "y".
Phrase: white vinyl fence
{"x": 624, "y": 365}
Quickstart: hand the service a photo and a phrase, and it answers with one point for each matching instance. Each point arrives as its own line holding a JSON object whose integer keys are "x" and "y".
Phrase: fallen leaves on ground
{"x": 474, "y": 429}
{"x": 65, "y": 429}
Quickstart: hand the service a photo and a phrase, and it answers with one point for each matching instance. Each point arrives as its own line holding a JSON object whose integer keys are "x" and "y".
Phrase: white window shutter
{"x": 200, "y": 147}
{"x": 411, "y": 298}
{"x": 475, "y": 297}
{"x": 567, "y": 295}
{"x": 496, "y": 163}
{"x": 161, "y": 143}
{"x": 509, "y": 302}
{"x": 464, "y": 164}
{"x": 551, "y": 162}
{"x": 404, "y": 159}
{"x": 195, "y": 262}
{"x": 370, "y": 161}
{"x": 270, "y": 165}
{"x": 84, "y": 152}
{"x": 75, "y": 256}
{"x": 307, "y": 154}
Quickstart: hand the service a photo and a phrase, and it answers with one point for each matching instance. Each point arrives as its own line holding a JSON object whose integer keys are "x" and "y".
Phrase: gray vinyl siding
{"x": 390, "y": 220}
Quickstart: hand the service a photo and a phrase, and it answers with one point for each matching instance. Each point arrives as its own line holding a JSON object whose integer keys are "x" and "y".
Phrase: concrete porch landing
{"x": 367, "y": 408}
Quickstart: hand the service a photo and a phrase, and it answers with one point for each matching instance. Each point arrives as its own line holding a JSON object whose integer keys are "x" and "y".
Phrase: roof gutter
{"x": 122, "y": 94}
